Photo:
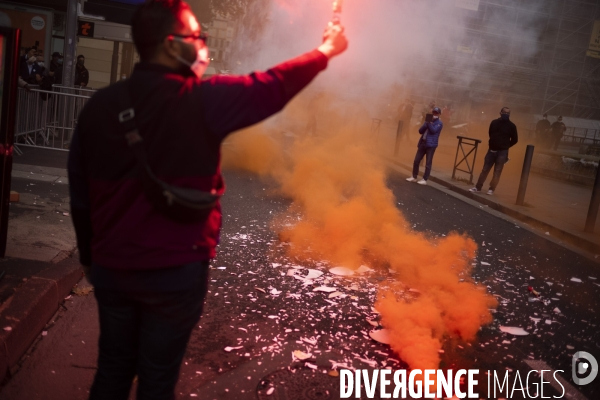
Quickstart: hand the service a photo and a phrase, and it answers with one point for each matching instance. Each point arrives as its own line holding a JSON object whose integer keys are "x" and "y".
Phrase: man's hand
{"x": 38, "y": 77}
{"x": 334, "y": 41}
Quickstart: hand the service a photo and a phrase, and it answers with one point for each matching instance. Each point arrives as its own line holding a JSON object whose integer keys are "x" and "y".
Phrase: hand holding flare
{"x": 334, "y": 41}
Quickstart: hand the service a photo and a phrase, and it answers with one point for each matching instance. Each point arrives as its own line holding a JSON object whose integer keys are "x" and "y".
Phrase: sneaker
{"x": 411, "y": 179}
{"x": 490, "y": 192}
{"x": 422, "y": 182}
{"x": 475, "y": 190}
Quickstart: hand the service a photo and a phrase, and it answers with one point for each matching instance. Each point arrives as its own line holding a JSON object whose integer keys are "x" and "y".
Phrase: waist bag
{"x": 180, "y": 204}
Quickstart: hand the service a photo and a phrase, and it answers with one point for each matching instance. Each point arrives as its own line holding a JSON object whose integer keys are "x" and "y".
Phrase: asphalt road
{"x": 257, "y": 313}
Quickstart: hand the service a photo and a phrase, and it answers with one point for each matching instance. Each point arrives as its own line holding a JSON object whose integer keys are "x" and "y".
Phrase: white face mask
{"x": 436, "y": 116}
{"x": 31, "y": 59}
{"x": 41, "y": 64}
{"x": 201, "y": 63}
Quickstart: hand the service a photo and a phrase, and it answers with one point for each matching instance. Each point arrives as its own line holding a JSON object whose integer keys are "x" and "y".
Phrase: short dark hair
{"x": 152, "y": 22}
{"x": 505, "y": 108}
{"x": 81, "y": 56}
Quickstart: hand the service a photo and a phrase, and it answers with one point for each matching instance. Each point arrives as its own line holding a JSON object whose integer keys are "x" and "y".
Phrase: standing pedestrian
{"x": 542, "y": 131}
{"x": 148, "y": 258}
{"x": 430, "y": 134}
{"x": 82, "y": 75}
{"x": 503, "y": 135}
{"x": 56, "y": 68}
{"x": 405, "y": 113}
{"x": 558, "y": 129}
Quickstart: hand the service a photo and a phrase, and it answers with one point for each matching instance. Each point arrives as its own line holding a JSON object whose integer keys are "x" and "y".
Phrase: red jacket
{"x": 183, "y": 121}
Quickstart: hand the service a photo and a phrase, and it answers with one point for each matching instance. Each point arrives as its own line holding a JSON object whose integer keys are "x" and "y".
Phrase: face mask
{"x": 80, "y": 62}
{"x": 504, "y": 117}
{"x": 199, "y": 66}
{"x": 41, "y": 64}
{"x": 60, "y": 61}
{"x": 436, "y": 116}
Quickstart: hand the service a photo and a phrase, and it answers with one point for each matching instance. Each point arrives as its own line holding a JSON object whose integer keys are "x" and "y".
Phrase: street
{"x": 260, "y": 309}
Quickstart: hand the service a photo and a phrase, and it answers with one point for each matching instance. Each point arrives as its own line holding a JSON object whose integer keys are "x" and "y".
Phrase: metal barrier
{"x": 466, "y": 141}
{"x": 47, "y": 118}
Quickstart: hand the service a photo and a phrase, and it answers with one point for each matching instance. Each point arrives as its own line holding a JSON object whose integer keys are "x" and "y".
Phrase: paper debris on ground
{"x": 300, "y": 355}
{"x": 229, "y": 349}
{"x": 341, "y": 271}
{"x": 576, "y": 280}
{"x": 513, "y": 330}
{"x": 324, "y": 289}
{"x": 381, "y": 335}
{"x": 313, "y": 274}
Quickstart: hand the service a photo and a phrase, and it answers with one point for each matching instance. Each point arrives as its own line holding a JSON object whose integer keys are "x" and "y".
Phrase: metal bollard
{"x": 525, "y": 175}
{"x": 398, "y": 136}
{"x": 590, "y": 221}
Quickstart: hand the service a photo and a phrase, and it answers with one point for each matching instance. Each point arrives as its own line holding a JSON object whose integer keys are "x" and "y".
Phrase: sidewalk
{"x": 556, "y": 208}
{"x": 40, "y": 266}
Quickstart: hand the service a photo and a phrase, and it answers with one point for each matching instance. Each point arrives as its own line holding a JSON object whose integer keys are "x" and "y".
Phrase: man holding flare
{"x": 150, "y": 272}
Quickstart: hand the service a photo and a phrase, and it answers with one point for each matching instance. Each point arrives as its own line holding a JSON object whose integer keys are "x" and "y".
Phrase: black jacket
{"x": 503, "y": 134}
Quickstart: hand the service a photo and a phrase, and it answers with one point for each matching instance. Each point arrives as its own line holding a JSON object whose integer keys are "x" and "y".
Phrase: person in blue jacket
{"x": 430, "y": 134}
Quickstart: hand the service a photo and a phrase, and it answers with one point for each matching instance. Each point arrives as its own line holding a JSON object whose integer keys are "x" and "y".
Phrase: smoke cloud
{"x": 337, "y": 180}
{"x": 349, "y": 218}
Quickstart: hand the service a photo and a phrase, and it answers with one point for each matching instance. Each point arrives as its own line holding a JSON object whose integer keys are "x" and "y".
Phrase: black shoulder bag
{"x": 184, "y": 205}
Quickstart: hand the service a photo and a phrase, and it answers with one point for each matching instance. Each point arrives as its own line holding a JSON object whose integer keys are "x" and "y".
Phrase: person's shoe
{"x": 490, "y": 192}
{"x": 474, "y": 190}
{"x": 411, "y": 179}
{"x": 422, "y": 182}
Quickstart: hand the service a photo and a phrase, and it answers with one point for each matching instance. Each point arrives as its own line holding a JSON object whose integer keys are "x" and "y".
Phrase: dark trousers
{"x": 497, "y": 159}
{"x": 423, "y": 151}
{"x": 556, "y": 139}
{"x": 144, "y": 334}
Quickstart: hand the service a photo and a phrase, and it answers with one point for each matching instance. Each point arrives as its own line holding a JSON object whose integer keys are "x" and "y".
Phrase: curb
{"x": 31, "y": 307}
{"x": 554, "y": 231}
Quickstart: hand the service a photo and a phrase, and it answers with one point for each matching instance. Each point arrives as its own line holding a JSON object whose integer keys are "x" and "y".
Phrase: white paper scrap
{"x": 514, "y": 330}
{"x": 341, "y": 271}
{"x": 381, "y": 335}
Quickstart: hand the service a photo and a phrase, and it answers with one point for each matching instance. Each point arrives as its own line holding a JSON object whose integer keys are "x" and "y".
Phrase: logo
{"x": 584, "y": 363}
{"x": 38, "y": 23}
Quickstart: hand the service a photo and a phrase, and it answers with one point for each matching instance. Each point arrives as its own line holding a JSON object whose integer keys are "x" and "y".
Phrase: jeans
{"x": 421, "y": 152}
{"x": 144, "y": 334}
{"x": 497, "y": 159}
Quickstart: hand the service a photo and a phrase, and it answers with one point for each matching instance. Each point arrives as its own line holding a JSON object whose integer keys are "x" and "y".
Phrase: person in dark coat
{"x": 56, "y": 68}
{"x": 558, "y": 130}
{"x": 430, "y": 134}
{"x": 542, "y": 131}
{"x": 149, "y": 270}
{"x": 29, "y": 69}
{"x": 503, "y": 135}
{"x": 82, "y": 75}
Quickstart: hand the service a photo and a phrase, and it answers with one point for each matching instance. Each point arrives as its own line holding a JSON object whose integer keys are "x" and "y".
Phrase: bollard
{"x": 398, "y": 135}
{"x": 590, "y": 221}
{"x": 525, "y": 175}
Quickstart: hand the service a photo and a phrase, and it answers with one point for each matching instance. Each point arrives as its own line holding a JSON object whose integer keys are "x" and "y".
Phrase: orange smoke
{"x": 350, "y": 218}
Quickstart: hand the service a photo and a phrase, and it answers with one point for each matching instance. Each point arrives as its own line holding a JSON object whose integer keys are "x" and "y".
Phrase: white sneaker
{"x": 474, "y": 190}
{"x": 411, "y": 179}
{"x": 422, "y": 182}
{"x": 490, "y": 192}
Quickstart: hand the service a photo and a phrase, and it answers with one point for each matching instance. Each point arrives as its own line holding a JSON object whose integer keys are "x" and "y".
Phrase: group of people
{"x": 502, "y": 133}
{"x": 550, "y": 135}
{"x": 34, "y": 71}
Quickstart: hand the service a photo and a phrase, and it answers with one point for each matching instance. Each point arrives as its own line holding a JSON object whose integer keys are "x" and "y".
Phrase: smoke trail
{"x": 350, "y": 219}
